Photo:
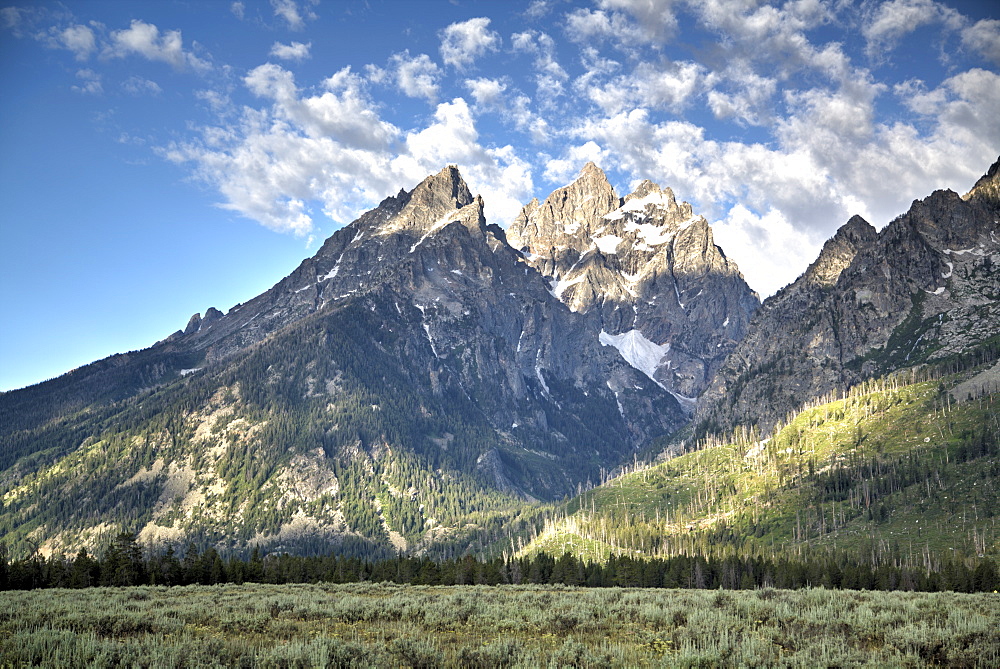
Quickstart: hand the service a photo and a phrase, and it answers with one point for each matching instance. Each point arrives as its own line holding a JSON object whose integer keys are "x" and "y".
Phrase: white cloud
{"x": 418, "y": 76}
{"x": 768, "y": 249}
{"x": 656, "y": 17}
{"x": 537, "y": 9}
{"x": 376, "y": 74}
{"x": 293, "y": 51}
{"x": 525, "y": 119}
{"x": 589, "y": 25}
{"x": 486, "y": 92}
{"x": 560, "y": 170}
{"x": 145, "y": 39}
{"x": 136, "y": 85}
{"x": 656, "y": 85}
{"x": 831, "y": 157}
{"x": 549, "y": 74}
{"x": 462, "y": 43}
{"x": 217, "y": 101}
{"x": 773, "y": 39}
{"x": 271, "y": 81}
{"x": 332, "y": 152}
{"x": 90, "y": 82}
{"x": 498, "y": 174}
{"x": 292, "y": 13}
{"x": 750, "y": 101}
{"x": 983, "y": 37}
{"x": 894, "y": 20}
{"x": 238, "y": 9}
{"x": 80, "y": 40}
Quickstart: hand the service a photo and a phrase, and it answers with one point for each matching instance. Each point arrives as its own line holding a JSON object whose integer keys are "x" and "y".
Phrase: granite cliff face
{"x": 645, "y": 270}
{"x": 924, "y": 288}
{"x": 470, "y": 310}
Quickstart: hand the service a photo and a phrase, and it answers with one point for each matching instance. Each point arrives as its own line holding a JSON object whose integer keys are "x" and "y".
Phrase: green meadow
{"x": 385, "y": 625}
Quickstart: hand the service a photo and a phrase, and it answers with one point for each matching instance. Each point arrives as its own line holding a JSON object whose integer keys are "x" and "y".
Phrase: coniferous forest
{"x": 124, "y": 564}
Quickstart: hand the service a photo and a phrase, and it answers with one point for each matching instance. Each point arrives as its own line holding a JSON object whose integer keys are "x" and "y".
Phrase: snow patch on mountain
{"x": 607, "y": 243}
{"x": 450, "y": 218}
{"x": 651, "y": 234}
{"x": 637, "y": 351}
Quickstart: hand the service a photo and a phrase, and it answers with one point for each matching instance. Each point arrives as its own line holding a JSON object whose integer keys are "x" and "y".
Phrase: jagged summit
{"x": 648, "y": 191}
{"x": 567, "y": 215}
{"x": 431, "y": 200}
{"x": 921, "y": 289}
{"x": 418, "y": 372}
{"x": 643, "y": 267}
{"x": 838, "y": 251}
{"x": 988, "y": 185}
{"x": 414, "y": 353}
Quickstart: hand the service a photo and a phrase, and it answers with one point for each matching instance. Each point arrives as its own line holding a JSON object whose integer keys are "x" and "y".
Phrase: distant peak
{"x": 857, "y": 229}
{"x": 988, "y": 185}
{"x": 644, "y": 189}
{"x": 432, "y": 198}
{"x": 647, "y": 188}
{"x": 447, "y": 184}
{"x": 592, "y": 174}
{"x": 838, "y": 251}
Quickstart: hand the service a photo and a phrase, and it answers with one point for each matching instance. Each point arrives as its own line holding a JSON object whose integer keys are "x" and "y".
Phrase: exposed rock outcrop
{"x": 645, "y": 264}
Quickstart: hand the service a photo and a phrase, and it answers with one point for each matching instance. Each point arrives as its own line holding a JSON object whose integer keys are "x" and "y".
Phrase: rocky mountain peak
{"x": 430, "y": 200}
{"x": 988, "y": 186}
{"x": 647, "y": 188}
{"x": 920, "y": 290}
{"x": 567, "y": 214}
{"x": 644, "y": 269}
{"x": 592, "y": 171}
{"x": 839, "y": 251}
{"x": 657, "y": 204}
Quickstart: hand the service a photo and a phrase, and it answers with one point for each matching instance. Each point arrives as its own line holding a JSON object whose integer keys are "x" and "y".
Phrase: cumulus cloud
{"x": 667, "y": 85}
{"x": 827, "y": 162}
{"x": 293, "y": 13}
{"x": 330, "y": 152}
{"x": 550, "y": 76}
{"x": 750, "y": 101}
{"x": 462, "y": 43}
{"x": 773, "y": 38}
{"x": 894, "y": 20}
{"x": 80, "y": 40}
{"x": 559, "y": 170}
{"x": 90, "y": 82}
{"x": 519, "y": 112}
{"x": 238, "y": 9}
{"x": 656, "y": 18}
{"x": 537, "y": 9}
{"x": 416, "y": 76}
{"x": 589, "y": 25}
{"x": 983, "y": 37}
{"x": 146, "y": 40}
{"x": 499, "y": 174}
{"x": 763, "y": 245}
{"x": 486, "y": 92}
{"x": 293, "y": 51}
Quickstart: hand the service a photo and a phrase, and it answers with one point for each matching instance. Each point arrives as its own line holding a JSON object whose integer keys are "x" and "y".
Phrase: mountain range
{"x": 427, "y": 377}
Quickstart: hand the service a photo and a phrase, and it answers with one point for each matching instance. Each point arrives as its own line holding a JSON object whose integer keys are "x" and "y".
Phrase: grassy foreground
{"x": 381, "y": 625}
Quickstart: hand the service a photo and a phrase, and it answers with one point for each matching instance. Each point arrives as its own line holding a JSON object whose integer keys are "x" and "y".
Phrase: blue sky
{"x": 159, "y": 158}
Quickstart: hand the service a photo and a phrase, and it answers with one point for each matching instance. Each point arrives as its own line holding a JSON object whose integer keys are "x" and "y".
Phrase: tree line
{"x": 123, "y": 563}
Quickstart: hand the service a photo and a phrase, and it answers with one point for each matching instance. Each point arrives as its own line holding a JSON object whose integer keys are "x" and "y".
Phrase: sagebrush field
{"x": 383, "y": 625}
